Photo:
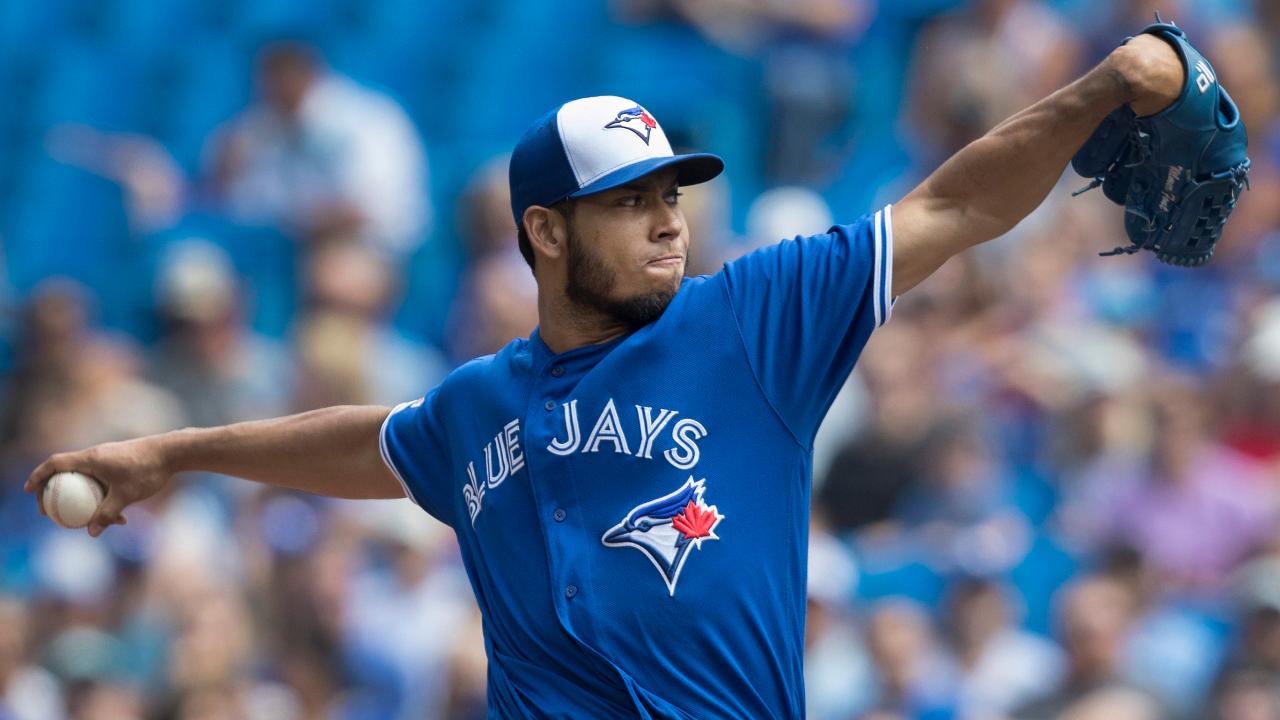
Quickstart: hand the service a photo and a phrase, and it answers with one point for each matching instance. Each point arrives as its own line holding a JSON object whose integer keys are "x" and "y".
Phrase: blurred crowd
{"x": 1048, "y": 491}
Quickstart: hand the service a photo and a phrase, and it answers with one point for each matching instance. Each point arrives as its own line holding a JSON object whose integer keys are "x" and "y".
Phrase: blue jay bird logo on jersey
{"x": 637, "y": 120}
{"x": 667, "y": 528}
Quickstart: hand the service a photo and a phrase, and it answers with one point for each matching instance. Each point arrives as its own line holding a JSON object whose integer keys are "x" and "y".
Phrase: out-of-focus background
{"x": 1048, "y": 491}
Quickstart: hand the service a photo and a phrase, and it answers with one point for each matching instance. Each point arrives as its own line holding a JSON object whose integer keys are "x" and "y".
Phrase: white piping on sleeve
{"x": 876, "y": 294}
{"x": 889, "y": 299}
{"x": 386, "y": 453}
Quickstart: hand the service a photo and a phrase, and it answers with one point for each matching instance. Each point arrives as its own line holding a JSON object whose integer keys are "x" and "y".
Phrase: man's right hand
{"x": 332, "y": 452}
{"x": 130, "y": 471}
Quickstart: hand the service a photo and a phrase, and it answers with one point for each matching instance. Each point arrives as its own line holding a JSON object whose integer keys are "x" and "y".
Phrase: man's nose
{"x": 669, "y": 223}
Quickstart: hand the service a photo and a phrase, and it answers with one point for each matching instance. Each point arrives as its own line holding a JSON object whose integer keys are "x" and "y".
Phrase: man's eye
{"x": 673, "y": 197}
{"x": 629, "y": 200}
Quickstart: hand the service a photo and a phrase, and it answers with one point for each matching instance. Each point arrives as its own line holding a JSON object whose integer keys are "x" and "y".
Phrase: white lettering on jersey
{"x": 473, "y": 493}
{"x": 495, "y": 479}
{"x": 504, "y": 449}
{"x": 504, "y": 456}
{"x": 570, "y": 444}
{"x": 685, "y": 433}
{"x": 515, "y": 456}
{"x": 650, "y": 427}
{"x": 608, "y": 428}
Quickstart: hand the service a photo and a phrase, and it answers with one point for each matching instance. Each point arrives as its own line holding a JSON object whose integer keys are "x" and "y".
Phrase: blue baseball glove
{"x": 1178, "y": 173}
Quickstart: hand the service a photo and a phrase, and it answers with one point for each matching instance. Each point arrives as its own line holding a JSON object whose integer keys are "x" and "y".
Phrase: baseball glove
{"x": 1177, "y": 173}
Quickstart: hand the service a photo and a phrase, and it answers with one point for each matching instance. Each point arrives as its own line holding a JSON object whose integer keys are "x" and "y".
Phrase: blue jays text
{"x": 504, "y": 457}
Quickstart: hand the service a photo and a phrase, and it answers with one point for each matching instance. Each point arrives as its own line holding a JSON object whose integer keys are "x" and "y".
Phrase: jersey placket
{"x": 553, "y": 487}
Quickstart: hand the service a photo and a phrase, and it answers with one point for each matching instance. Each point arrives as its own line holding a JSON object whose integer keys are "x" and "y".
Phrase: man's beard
{"x": 590, "y": 282}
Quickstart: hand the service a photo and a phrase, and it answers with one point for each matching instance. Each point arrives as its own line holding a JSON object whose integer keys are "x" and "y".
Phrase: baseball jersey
{"x": 633, "y": 515}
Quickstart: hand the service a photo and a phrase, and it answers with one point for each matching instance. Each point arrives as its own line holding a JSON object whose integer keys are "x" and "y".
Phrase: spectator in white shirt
{"x": 322, "y": 157}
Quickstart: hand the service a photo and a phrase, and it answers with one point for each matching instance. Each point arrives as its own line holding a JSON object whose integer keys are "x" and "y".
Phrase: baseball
{"x": 71, "y": 498}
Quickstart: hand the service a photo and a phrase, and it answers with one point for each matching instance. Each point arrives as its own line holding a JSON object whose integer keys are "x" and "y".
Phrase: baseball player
{"x": 629, "y": 485}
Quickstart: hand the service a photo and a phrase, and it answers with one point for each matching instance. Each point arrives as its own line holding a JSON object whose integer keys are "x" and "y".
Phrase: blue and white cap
{"x": 593, "y": 144}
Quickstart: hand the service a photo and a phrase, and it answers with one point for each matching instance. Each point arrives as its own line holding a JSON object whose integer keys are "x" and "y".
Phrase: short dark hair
{"x": 564, "y": 207}
{"x": 297, "y": 52}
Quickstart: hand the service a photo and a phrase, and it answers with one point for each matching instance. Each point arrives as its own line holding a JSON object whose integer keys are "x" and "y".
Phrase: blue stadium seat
{"x": 206, "y": 83}
{"x": 150, "y": 27}
{"x": 259, "y": 19}
{"x": 28, "y": 25}
{"x": 401, "y": 25}
{"x": 88, "y": 83}
{"x": 65, "y": 221}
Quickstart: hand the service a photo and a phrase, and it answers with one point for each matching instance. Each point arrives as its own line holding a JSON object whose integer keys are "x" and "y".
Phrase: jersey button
{"x": 570, "y": 590}
{"x": 549, "y": 405}
{"x": 559, "y": 515}
{"x": 557, "y": 371}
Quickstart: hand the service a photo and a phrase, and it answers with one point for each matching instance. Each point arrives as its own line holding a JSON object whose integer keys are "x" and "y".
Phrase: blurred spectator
{"x": 838, "y": 678}
{"x": 1095, "y": 616}
{"x": 468, "y": 668}
{"x": 1246, "y": 695}
{"x": 27, "y": 691}
{"x": 306, "y": 591}
{"x": 1173, "y": 650}
{"x": 74, "y": 386}
{"x": 1113, "y": 703}
{"x": 105, "y": 701}
{"x": 208, "y": 357}
{"x": 1193, "y": 508}
{"x": 808, "y": 82}
{"x": 497, "y": 297}
{"x": 1257, "y": 595}
{"x": 211, "y": 652}
{"x": 964, "y": 514}
{"x": 322, "y": 157}
{"x": 802, "y": 47}
{"x": 1245, "y": 59}
{"x": 348, "y": 353}
{"x": 406, "y": 617}
{"x": 874, "y": 469}
{"x": 913, "y": 674}
{"x": 1001, "y": 667}
{"x": 978, "y": 68}
{"x": 1251, "y": 394}
{"x": 52, "y": 337}
{"x": 484, "y": 212}
{"x": 785, "y": 212}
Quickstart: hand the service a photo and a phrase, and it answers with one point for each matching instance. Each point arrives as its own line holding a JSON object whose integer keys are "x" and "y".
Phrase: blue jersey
{"x": 633, "y": 515}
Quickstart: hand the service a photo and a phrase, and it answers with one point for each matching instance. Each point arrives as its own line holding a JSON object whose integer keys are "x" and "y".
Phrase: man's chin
{"x": 640, "y": 310}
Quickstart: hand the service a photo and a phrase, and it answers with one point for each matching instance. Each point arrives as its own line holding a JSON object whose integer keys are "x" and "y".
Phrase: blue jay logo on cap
{"x": 637, "y": 120}
{"x": 667, "y": 528}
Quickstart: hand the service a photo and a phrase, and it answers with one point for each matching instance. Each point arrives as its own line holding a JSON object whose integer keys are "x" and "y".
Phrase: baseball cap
{"x": 591, "y": 145}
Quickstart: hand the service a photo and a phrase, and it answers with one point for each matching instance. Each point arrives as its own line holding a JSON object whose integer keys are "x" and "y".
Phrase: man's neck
{"x": 564, "y": 325}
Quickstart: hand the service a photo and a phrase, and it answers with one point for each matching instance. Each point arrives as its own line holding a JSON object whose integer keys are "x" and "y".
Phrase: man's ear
{"x": 546, "y": 230}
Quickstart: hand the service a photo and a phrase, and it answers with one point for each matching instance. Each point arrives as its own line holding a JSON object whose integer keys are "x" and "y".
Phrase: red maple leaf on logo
{"x": 647, "y": 119}
{"x": 695, "y": 522}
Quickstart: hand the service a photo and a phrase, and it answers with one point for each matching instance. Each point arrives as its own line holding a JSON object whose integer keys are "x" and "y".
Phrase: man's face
{"x": 285, "y": 75}
{"x": 627, "y": 248}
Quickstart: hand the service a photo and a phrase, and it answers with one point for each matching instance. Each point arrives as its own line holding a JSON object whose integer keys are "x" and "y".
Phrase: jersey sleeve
{"x": 411, "y": 441}
{"x": 806, "y": 307}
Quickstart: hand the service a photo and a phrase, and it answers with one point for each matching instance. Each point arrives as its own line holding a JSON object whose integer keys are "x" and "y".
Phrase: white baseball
{"x": 71, "y": 498}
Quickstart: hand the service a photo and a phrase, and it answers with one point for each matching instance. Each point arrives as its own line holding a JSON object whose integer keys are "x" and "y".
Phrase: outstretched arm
{"x": 333, "y": 452}
{"x": 981, "y": 192}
